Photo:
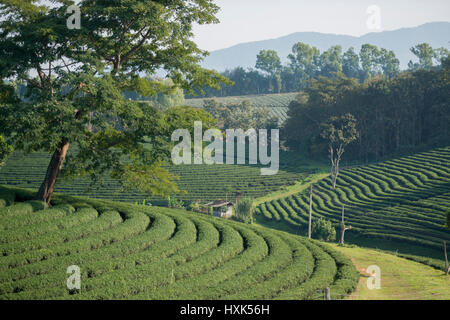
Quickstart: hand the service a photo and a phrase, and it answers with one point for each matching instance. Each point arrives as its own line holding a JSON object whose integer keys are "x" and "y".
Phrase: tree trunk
{"x": 45, "y": 192}
{"x": 342, "y": 227}
{"x": 447, "y": 268}
{"x": 336, "y": 170}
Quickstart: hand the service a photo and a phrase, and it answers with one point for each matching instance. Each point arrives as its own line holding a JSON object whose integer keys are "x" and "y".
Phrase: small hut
{"x": 223, "y": 209}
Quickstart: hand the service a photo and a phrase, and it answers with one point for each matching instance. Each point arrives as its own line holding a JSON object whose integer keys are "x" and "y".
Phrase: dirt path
{"x": 401, "y": 279}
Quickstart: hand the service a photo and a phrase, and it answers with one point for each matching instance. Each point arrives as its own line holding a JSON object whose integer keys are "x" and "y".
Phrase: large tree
{"x": 330, "y": 61}
{"x": 425, "y": 54}
{"x": 350, "y": 64}
{"x": 369, "y": 56}
{"x": 304, "y": 61}
{"x": 75, "y": 79}
{"x": 269, "y": 62}
{"x": 389, "y": 63}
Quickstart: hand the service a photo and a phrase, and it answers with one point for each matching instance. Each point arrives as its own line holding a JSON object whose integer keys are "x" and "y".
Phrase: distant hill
{"x": 437, "y": 34}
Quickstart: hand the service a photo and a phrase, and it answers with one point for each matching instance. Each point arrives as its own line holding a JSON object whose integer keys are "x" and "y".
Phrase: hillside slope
{"x": 200, "y": 182}
{"x": 400, "y": 200}
{"x": 134, "y": 252}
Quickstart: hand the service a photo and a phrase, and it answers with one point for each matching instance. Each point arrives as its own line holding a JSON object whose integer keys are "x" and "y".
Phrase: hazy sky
{"x": 252, "y": 20}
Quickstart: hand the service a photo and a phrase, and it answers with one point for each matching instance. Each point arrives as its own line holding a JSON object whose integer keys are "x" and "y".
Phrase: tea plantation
{"x": 402, "y": 200}
{"x": 126, "y": 251}
{"x": 200, "y": 182}
{"x": 277, "y": 103}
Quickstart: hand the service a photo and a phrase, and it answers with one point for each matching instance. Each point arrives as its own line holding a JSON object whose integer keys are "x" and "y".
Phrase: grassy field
{"x": 397, "y": 205}
{"x": 126, "y": 251}
{"x": 401, "y": 279}
{"x": 201, "y": 183}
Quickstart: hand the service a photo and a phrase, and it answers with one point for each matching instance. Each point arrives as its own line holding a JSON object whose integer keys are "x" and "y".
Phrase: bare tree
{"x": 339, "y": 132}
{"x": 447, "y": 267}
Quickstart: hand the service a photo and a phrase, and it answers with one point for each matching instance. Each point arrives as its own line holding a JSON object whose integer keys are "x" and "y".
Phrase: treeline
{"x": 393, "y": 115}
{"x": 307, "y": 63}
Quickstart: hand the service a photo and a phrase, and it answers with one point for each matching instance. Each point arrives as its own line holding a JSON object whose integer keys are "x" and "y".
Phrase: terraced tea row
{"x": 201, "y": 182}
{"x": 135, "y": 252}
{"x": 276, "y": 100}
{"x": 403, "y": 199}
{"x": 277, "y": 103}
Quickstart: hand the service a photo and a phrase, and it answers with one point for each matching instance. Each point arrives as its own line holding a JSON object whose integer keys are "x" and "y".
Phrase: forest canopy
{"x": 305, "y": 63}
{"x": 393, "y": 116}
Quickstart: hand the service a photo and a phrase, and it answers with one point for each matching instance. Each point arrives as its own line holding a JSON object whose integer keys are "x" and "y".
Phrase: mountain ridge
{"x": 399, "y": 40}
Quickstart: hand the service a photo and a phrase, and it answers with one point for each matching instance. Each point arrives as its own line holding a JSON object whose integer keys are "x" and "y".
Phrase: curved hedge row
{"x": 403, "y": 199}
{"x": 202, "y": 183}
{"x": 134, "y": 252}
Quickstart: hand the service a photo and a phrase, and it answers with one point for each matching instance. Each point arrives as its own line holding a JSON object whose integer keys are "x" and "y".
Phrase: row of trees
{"x": 243, "y": 115}
{"x": 306, "y": 63}
{"x": 392, "y": 115}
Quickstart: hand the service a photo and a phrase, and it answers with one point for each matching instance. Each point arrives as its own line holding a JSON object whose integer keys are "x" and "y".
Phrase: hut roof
{"x": 219, "y": 203}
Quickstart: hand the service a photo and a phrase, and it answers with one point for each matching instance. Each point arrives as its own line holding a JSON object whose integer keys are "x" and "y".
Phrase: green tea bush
{"x": 396, "y": 200}
{"x": 323, "y": 230}
{"x": 128, "y": 251}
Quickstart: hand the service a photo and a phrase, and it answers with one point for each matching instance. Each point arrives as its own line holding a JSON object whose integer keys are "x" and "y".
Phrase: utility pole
{"x": 327, "y": 293}
{"x": 343, "y": 228}
{"x": 447, "y": 268}
{"x": 310, "y": 211}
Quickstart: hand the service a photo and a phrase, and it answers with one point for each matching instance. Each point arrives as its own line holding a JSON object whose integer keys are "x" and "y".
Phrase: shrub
{"x": 323, "y": 230}
{"x": 244, "y": 210}
{"x": 5, "y": 150}
{"x": 173, "y": 202}
{"x": 195, "y": 206}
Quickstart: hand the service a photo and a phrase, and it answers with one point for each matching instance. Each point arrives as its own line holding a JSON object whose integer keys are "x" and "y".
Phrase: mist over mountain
{"x": 437, "y": 34}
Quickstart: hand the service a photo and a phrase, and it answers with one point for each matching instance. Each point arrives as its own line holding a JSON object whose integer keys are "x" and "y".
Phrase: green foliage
{"x": 192, "y": 256}
{"x": 330, "y": 61}
{"x": 163, "y": 94}
{"x": 350, "y": 64}
{"x": 340, "y": 130}
{"x": 306, "y": 63}
{"x": 425, "y": 53}
{"x": 76, "y": 96}
{"x": 5, "y": 150}
{"x": 243, "y": 116}
{"x": 323, "y": 230}
{"x": 244, "y": 210}
{"x": 173, "y": 202}
{"x": 385, "y": 110}
{"x": 268, "y": 61}
{"x": 195, "y": 206}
